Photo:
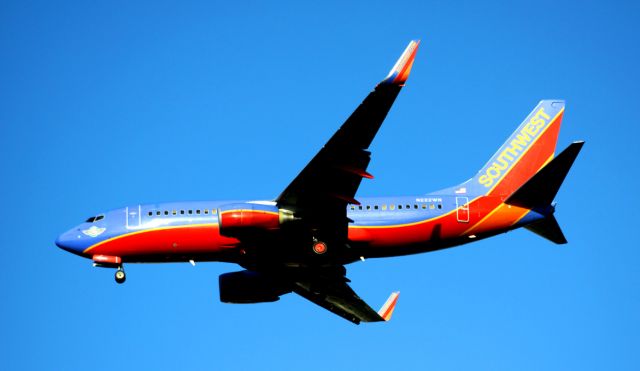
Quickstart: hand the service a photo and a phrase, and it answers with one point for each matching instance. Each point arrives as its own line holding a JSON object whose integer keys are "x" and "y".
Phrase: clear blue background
{"x": 112, "y": 104}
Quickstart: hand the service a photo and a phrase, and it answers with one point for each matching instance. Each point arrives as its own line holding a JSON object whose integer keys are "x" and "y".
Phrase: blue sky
{"x": 112, "y": 104}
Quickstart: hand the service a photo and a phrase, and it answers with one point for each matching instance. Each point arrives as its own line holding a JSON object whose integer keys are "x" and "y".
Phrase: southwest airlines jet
{"x": 301, "y": 240}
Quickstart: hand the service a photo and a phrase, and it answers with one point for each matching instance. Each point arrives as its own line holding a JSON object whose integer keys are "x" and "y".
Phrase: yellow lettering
{"x": 505, "y": 155}
{"x": 530, "y": 129}
{"x": 522, "y": 138}
{"x": 485, "y": 180}
{"x": 537, "y": 122}
{"x": 496, "y": 172}
{"x": 517, "y": 145}
{"x": 542, "y": 113}
{"x": 502, "y": 162}
{"x": 511, "y": 150}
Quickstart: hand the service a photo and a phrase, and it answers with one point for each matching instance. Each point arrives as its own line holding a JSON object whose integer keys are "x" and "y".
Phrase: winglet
{"x": 400, "y": 71}
{"x": 387, "y": 309}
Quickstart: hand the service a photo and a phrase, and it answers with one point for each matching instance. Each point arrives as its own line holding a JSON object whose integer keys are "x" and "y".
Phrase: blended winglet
{"x": 400, "y": 71}
{"x": 387, "y": 309}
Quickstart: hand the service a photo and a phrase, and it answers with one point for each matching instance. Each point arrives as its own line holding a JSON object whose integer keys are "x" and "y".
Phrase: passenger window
{"x": 399, "y": 207}
{"x": 368, "y": 207}
{"x": 439, "y": 206}
{"x": 408, "y": 207}
{"x": 432, "y": 206}
{"x": 190, "y": 212}
{"x": 424, "y": 206}
{"x": 174, "y": 212}
{"x": 376, "y": 207}
{"x": 198, "y": 212}
{"x": 166, "y": 212}
{"x": 392, "y": 207}
{"x": 206, "y": 211}
{"x": 415, "y": 206}
{"x": 181, "y": 212}
{"x": 158, "y": 213}
{"x": 150, "y": 213}
{"x": 384, "y": 207}
{"x": 353, "y": 208}
{"x": 214, "y": 212}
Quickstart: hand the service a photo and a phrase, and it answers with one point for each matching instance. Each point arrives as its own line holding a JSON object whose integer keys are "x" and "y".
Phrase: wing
{"x": 320, "y": 193}
{"x": 334, "y": 294}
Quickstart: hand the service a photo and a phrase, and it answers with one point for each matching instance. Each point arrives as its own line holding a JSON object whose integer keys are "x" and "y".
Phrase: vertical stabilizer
{"x": 525, "y": 152}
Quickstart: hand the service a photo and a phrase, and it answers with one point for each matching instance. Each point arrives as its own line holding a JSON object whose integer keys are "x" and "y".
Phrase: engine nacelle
{"x": 234, "y": 219}
{"x": 246, "y": 287}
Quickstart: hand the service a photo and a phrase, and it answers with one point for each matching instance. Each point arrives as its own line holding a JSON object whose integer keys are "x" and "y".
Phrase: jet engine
{"x": 246, "y": 287}
{"x": 238, "y": 218}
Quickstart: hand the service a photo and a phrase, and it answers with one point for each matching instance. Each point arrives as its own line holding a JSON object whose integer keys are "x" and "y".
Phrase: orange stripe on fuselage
{"x": 503, "y": 216}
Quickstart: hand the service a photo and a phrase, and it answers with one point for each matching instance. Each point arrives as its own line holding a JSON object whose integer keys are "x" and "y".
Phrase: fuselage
{"x": 380, "y": 227}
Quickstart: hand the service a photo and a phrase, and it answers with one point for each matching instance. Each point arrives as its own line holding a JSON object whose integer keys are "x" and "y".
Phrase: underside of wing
{"x": 335, "y": 295}
{"x": 327, "y": 287}
{"x": 320, "y": 193}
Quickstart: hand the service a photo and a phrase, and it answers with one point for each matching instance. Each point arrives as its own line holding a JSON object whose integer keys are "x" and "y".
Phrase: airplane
{"x": 301, "y": 241}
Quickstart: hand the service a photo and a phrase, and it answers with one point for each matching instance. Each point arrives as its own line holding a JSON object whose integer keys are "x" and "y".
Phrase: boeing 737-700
{"x": 301, "y": 240}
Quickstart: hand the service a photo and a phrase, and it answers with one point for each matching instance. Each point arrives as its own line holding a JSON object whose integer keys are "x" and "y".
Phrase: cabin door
{"x": 462, "y": 209}
{"x": 133, "y": 217}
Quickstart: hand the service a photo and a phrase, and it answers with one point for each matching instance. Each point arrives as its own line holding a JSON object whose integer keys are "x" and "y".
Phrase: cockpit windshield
{"x": 94, "y": 218}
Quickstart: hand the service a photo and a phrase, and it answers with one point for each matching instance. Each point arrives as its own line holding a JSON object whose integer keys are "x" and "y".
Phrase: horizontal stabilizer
{"x": 541, "y": 189}
{"x": 548, "y": 228}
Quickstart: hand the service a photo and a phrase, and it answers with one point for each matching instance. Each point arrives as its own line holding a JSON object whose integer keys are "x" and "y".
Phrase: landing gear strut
{"x": 120, "y": 275}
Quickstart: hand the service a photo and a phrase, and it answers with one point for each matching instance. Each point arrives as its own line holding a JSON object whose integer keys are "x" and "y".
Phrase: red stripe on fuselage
{"x": 197, "y": 239}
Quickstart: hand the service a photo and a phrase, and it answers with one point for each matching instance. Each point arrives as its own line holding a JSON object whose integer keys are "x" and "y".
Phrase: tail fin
{"x": 526, "y": 151}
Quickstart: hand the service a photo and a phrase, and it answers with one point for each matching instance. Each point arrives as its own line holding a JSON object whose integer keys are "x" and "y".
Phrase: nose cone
{"x": 71, "y": 241}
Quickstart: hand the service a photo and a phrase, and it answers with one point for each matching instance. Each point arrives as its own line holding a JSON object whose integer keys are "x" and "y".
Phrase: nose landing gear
{"x": 120, "y": 275}
{"x": 109, "y": 261}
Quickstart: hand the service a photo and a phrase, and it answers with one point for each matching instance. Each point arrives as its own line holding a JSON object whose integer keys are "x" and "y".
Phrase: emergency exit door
{"x": 133, "y": 217}
{"x": 462, "y": 209}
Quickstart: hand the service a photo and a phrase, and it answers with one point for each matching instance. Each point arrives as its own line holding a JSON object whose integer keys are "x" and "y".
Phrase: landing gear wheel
{"x": 319, "y": 247}
{"x": 120, "y": 276}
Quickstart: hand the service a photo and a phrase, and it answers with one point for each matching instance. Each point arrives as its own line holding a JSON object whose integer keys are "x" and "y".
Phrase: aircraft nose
{"x": 70, "y": 242}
